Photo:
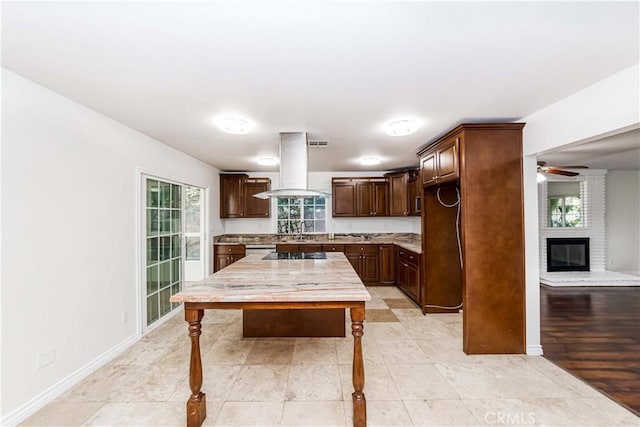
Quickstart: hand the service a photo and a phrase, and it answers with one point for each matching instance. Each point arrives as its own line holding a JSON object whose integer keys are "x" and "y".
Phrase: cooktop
{"x": 295, "y": 255}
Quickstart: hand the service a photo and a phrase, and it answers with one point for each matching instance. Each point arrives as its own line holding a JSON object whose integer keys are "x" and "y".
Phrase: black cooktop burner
{"x": 295, "y": 255}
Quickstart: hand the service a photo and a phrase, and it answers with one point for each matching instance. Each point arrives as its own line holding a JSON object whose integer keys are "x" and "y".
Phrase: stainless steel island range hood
{"x": 294, "y": 166}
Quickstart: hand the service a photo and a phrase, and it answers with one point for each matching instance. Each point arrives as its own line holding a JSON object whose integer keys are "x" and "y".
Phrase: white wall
{"x": 322, "y": 181}
{"x": 69, "y": 235}
{"x": 623, "y": 221}
{"x": 607, "y": 107}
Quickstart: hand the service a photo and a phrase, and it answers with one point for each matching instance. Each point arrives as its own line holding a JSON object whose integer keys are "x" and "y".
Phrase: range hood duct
{"x": 294, "y": 166}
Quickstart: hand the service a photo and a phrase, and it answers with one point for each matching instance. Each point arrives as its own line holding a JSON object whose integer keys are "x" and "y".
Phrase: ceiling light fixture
{"x": 402, "y": 127}
{"x": 234, "y": 125}
{"x": 267, "y": 161}
{"x": 368, "y": 161}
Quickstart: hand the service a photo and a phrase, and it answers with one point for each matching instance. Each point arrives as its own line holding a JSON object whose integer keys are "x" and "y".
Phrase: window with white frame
{"x": 301, "y": 215}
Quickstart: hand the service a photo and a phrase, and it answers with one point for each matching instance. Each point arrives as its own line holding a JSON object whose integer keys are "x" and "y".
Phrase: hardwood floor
{"x": 594, "y": 333}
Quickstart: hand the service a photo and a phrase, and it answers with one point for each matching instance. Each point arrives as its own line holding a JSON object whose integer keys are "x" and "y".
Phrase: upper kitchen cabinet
{"x": 440, "y": 163}
{"x": 236, "y": 196}
{"x": 404, "y": 194}
{"x": 353, "y": 197}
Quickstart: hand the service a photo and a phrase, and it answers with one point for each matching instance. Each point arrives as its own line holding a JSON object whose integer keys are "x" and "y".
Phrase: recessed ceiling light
{"x": 368, "y": 161}
{"x": 267, "y": 161}
{"x": 402, "y": 127}
{"x": 234, "y": 125}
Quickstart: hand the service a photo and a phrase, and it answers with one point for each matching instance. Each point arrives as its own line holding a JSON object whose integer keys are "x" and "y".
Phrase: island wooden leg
{"x": 359, "y": 402}
{"x": 196, "y": 405}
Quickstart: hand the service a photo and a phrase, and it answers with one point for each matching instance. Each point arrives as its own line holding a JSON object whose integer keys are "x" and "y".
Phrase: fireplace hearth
{"x": 568, "y": 254}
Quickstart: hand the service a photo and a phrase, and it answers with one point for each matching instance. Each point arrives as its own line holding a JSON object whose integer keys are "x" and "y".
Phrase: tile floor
{"x": 416, "y": 375}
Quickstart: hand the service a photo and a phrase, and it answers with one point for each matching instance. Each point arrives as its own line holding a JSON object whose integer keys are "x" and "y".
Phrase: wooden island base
{"x": 293, "y": 323}
{"x": 193, "y": 312}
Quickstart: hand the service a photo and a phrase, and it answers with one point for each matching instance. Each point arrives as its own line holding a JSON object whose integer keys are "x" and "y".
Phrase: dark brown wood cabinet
{"x": 236, "y": 196}
{"x": 332, "y": 248}
{"x": 254, "y": 207}
{"x": 223, "y": 255}
{"x": 483, "y": 164}
{"x": 387, "y": 267}
{"x": 408, "y": 273}
{"x": 404, "y": 193}
{"x": 365, "y": 260}
{"x": 398, "y": 195}
{"x": 353, "y": 197}
{"x": 440, "y": 163}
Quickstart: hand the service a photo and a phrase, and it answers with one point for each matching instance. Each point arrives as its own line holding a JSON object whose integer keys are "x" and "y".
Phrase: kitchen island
{"x": 258, "y": 284}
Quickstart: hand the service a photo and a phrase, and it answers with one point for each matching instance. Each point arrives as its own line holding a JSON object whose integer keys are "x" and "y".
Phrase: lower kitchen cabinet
{"x": 224, "y": 255}
{"x": 365, "y": 260}
{"x": 408, "y": 273}
{"x": 387, "y": 265}
{"x": 332, "y": 248}
{"x": 294, "y": 247}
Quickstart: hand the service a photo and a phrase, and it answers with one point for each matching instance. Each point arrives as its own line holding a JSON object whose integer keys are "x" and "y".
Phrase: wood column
{"x": 196, "y": 405}
{"x": 359, "y": 402}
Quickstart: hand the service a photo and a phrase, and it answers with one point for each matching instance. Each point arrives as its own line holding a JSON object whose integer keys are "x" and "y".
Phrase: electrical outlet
{"x": 46, "y": 358}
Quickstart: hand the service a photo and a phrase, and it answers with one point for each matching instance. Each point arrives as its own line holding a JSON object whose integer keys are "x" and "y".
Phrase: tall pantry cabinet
{"x": 482, "y": 163}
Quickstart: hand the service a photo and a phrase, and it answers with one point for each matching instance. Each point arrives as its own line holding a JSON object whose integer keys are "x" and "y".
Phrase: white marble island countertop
{"x": 253, "y": 279}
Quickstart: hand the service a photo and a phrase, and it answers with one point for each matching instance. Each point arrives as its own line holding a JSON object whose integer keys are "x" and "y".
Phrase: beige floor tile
{"x": 574, "y": 385}
{"x": 407, "y": 314}
{"x": 250, "y": 414}
{"x": 271, "y": 352}
{"x": 380, "y": 315}
{"x": 401, "y": 303}
{"x": 156, "y": 383}
{"x": 125, "y": 414}
{"x": 216, "y": 383}
{"x": 385, "y": 292}
{"x": 617, "y": 414}
{"x": 260, "y": 383}
{"x": 330, "y": 414}
{"x": 537, "y": 412}
{"x": 370, "y": 352}
{"x": 174, "y": 414}
{"x": 386, "y": 331}
{"x": 397, "y": 352}
{"x": 228, "y": 352}
{"x": 315, "y": 351}
{"x": 314, "y": 382}
{"x": 415, "y": 382}
{"x": 375, "y": 303}
{"x": 378, "y": 384}
{"x": 100, "y": 386}
{"x": 63, "y": 414}
{"x": 386, "y": 413}
{"x": 440, "y": 412}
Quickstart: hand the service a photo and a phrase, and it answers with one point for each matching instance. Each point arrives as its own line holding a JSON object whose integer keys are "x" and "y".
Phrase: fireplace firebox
{"x": 568, "y": 254}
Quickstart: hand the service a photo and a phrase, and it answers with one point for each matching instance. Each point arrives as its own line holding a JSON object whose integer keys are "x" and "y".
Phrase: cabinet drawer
{"x": 362, "y": 249}
{"x": 229, "y": 249}
{"x": 310, "y": 247}
{"x": 332, "y": 248}
{"x": 408, "y": 256}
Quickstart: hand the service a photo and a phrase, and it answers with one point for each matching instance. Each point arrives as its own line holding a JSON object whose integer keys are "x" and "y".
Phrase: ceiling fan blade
{"x": 560, "y": 172}
{"x": 571, "y": 167}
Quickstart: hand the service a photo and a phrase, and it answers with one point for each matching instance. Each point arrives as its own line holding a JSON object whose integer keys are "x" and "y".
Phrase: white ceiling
{"x": 337, "y": 70}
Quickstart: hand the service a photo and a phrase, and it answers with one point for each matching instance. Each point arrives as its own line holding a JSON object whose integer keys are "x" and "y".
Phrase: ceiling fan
{"x": 559, "y": 170}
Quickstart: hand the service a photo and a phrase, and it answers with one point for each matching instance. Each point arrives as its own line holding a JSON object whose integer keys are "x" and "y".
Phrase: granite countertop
{"x": 407, "y": 241}
{"x": 253, "y": 279}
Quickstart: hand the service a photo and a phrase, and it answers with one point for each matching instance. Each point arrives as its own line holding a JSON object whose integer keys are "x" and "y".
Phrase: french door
{"x": 168, "y": 206}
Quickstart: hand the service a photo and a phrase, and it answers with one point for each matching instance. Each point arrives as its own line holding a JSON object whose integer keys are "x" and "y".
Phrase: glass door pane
{"x": 163, "y": 234}
{"x": 194, "y": 232}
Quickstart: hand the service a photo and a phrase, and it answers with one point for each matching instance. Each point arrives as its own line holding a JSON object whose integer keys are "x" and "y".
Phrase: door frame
{"x": 140, "y": 227}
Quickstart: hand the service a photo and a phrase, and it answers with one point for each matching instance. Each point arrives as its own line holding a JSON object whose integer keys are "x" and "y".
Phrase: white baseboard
{"x": 534, "y": 350}
{"x": 47, "y": 396}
